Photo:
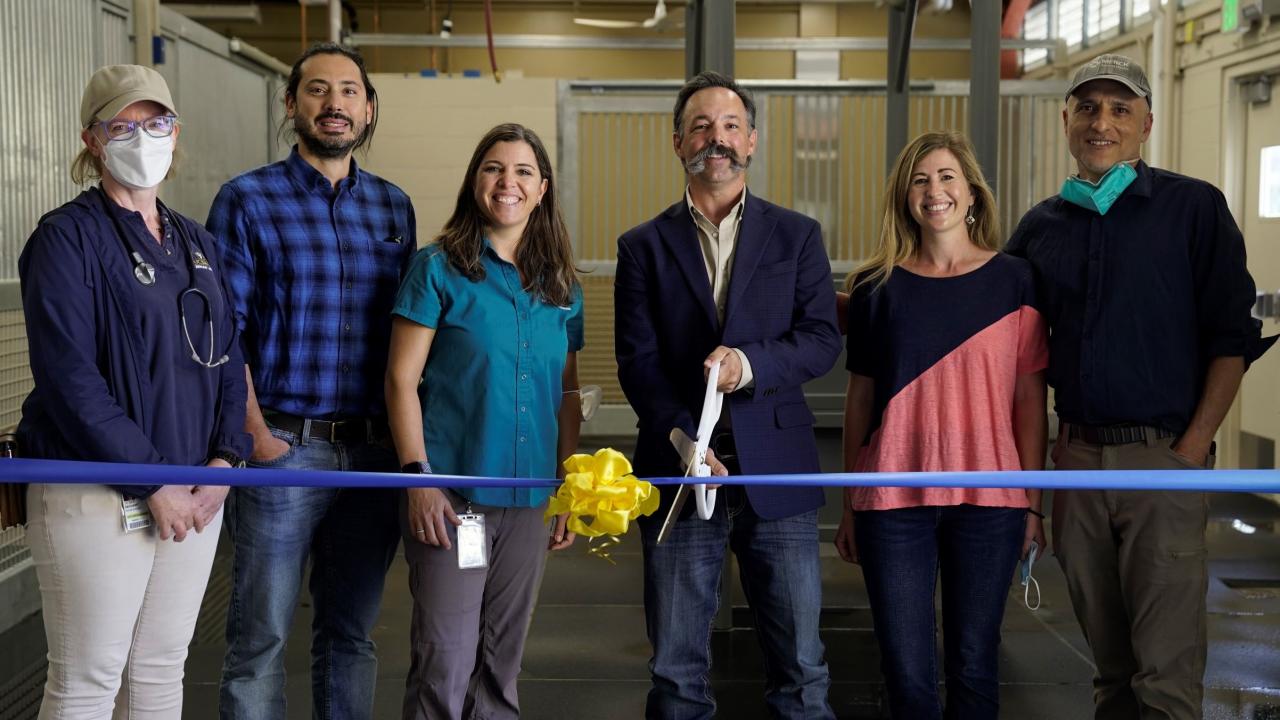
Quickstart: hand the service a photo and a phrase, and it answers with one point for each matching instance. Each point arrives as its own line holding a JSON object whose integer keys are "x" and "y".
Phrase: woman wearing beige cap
{"x": 135, "y": 360}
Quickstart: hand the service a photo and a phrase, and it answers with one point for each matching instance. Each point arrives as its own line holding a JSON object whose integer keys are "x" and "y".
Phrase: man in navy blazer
{"x": 723, "y": 276}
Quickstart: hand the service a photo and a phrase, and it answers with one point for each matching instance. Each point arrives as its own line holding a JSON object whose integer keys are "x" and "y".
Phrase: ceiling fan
{"x": 659, "y": 21}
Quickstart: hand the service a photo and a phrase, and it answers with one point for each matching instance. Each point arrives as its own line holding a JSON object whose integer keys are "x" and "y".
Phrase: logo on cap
{"x": 1113, "y": 67}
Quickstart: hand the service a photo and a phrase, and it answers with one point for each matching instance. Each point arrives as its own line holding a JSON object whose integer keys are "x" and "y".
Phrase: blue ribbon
{"x": 72, "y": 472}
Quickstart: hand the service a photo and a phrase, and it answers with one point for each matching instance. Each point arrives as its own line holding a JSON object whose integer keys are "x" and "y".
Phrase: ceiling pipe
{"x": 597, "y": 42}
{"x": 249, "y": 52}
{"x": 1164, "y": 25}
{"x": 1011, "y": 27}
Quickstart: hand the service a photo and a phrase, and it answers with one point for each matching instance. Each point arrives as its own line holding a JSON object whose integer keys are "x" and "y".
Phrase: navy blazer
{"x": 781, "y": 313}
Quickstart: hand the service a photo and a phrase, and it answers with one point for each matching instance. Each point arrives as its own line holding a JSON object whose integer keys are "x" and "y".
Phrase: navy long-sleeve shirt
{"x": 1139, "y": 301}
{"x": 114, "y": 378}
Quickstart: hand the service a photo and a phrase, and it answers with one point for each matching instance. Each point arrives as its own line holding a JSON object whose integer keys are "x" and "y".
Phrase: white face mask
{"x": 140, "y": 162}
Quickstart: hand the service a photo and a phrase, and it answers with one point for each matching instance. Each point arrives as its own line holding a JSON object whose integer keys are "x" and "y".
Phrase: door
{"x": 1260, "y": 393}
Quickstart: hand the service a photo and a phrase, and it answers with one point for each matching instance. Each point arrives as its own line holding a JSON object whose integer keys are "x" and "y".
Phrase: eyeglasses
{"x": 157, "y": 127}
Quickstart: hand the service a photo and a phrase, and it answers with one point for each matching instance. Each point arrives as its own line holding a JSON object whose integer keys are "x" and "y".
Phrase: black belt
{"x": 1116, "y": 434}
{"x": 352, "y": 431}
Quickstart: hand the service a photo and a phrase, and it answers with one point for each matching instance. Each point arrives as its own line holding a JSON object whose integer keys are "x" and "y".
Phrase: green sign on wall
{"x": 1230, "y": 15}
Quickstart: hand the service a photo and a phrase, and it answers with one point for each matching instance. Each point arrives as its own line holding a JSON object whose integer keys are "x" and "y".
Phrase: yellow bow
{"x": 602, "y": 488}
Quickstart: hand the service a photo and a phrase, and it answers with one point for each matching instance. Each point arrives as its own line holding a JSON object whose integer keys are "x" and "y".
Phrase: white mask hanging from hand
{"x": 140, "y": 162}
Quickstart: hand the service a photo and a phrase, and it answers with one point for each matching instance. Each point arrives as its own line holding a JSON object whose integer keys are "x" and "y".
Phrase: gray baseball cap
{"x": 115, "y": 87}
{"x": 1113, "y": 67}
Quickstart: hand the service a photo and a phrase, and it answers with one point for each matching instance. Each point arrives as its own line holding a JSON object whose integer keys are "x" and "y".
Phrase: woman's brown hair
{"x": 544, "y": 256}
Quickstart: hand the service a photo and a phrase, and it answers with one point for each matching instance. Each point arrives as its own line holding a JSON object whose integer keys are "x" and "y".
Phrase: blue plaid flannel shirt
{"x": 312, "y": 273}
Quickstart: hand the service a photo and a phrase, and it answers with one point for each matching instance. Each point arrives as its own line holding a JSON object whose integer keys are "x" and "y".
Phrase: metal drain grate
{"x": 20, "y": 695}
{"x": 1254, "y": 588}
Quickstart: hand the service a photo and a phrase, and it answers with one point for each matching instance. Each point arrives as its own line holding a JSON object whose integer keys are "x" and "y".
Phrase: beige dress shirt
{"x": 718, "y": 244}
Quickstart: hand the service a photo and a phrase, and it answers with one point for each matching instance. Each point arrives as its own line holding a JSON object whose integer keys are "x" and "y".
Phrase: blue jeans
{"x": 780, "y": 574}
{"x": 351, "y": 537}
{"x": 902, "y": 552}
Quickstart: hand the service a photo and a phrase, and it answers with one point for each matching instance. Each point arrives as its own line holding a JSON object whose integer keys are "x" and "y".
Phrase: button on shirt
{"x": 312, "y": 272}
{"x": 718, "y": 243}
{"x": 491, "y": 389}
{"x": 1140, "y": 300}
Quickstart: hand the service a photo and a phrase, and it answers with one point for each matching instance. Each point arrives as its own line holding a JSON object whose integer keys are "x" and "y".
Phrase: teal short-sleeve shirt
{"x": 491, "y": 389}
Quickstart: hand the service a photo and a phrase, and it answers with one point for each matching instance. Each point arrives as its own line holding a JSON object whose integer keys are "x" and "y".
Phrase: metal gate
{"x": 820, "y": 152}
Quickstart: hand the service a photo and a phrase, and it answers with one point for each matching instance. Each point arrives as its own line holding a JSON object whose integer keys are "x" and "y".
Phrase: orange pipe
{"x": 1015, "y": 12}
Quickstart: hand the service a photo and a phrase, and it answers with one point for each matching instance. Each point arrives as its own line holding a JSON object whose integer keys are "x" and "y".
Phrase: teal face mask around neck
{"x": 1100, "y": 196}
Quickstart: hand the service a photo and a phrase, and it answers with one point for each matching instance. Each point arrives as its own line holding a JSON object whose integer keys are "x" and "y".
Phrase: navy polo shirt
{"x": 1140, "y": 300}
{"x": 491, "y": 390}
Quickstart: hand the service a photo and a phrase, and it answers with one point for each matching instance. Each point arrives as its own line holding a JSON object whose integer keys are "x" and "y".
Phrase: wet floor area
{"x": 586, "y": 655}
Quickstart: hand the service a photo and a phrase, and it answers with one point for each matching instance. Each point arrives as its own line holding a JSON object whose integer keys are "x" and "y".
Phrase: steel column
{"x": 709, "y": 36}
{"x": 902, "y": 22}
{"x": 984, "y": 87}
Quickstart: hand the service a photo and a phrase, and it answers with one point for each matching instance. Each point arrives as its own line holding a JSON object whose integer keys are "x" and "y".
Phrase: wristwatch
{"x": 231, "y": 458}
{"x": 416, "y": 468}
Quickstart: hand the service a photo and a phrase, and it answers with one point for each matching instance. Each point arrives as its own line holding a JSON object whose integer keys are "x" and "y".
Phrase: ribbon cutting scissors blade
{"x": 693, "y": 454}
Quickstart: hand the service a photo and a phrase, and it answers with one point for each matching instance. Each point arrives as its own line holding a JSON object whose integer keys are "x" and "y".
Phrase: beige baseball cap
{"x": 115, "y": 87}
{"x": 1113, "y": 67}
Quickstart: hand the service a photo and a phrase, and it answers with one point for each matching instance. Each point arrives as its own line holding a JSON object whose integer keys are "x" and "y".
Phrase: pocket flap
{"x": 776, "y": 268}
{"x": 793, "y": 415}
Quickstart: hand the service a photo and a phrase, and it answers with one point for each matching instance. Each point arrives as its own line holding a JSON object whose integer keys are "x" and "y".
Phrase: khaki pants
{"x": 119, "y": 608}
{"x": 1136, "y": 571}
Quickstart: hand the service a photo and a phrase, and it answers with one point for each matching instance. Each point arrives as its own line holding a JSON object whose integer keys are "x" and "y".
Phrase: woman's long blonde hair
{"x": 899, "y": 231}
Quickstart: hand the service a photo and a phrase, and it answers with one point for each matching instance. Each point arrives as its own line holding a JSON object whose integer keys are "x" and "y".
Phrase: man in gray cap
{"x": 1141, "y": 275}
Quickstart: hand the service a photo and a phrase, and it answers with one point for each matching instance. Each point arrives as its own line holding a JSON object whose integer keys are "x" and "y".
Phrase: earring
{"x": 969, "y": 219}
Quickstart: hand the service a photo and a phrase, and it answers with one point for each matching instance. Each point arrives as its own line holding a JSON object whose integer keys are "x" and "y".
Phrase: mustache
{"x": 333, "y": 115}
{"x": 328, "y": 147}
{"x": 698, "y": 162}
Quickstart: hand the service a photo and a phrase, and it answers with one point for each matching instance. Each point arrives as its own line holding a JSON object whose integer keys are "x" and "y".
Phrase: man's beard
{"x": 329, "y": 148}
{"x": 698, "y": 163}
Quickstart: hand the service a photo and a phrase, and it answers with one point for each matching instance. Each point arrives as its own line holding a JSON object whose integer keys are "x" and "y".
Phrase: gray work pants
{"x": 468, "y": 629}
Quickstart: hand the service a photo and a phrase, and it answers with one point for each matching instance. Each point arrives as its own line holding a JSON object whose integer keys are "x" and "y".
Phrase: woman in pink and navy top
{"x": 946, "y": 360}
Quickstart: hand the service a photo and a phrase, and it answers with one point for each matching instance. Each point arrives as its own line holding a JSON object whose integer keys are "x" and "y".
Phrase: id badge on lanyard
{"x": 473, "y": 552}
{"x": 135, "y": 514}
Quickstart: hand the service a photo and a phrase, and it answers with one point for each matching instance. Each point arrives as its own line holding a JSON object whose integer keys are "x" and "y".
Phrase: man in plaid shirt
{"x": 313, "y": 248}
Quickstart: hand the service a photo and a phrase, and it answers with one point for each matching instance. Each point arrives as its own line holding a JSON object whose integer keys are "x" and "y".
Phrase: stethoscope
{"x": 145, "y": 273}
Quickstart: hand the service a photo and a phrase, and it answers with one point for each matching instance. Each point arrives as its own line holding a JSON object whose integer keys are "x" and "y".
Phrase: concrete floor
{"x": 587, "y": 652}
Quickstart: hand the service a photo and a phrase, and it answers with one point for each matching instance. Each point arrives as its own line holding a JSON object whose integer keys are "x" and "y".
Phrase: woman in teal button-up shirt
{"x": 482, "y": 379}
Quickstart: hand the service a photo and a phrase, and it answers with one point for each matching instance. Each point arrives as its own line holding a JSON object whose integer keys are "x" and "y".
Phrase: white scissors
{"x": 693, "y": 453}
